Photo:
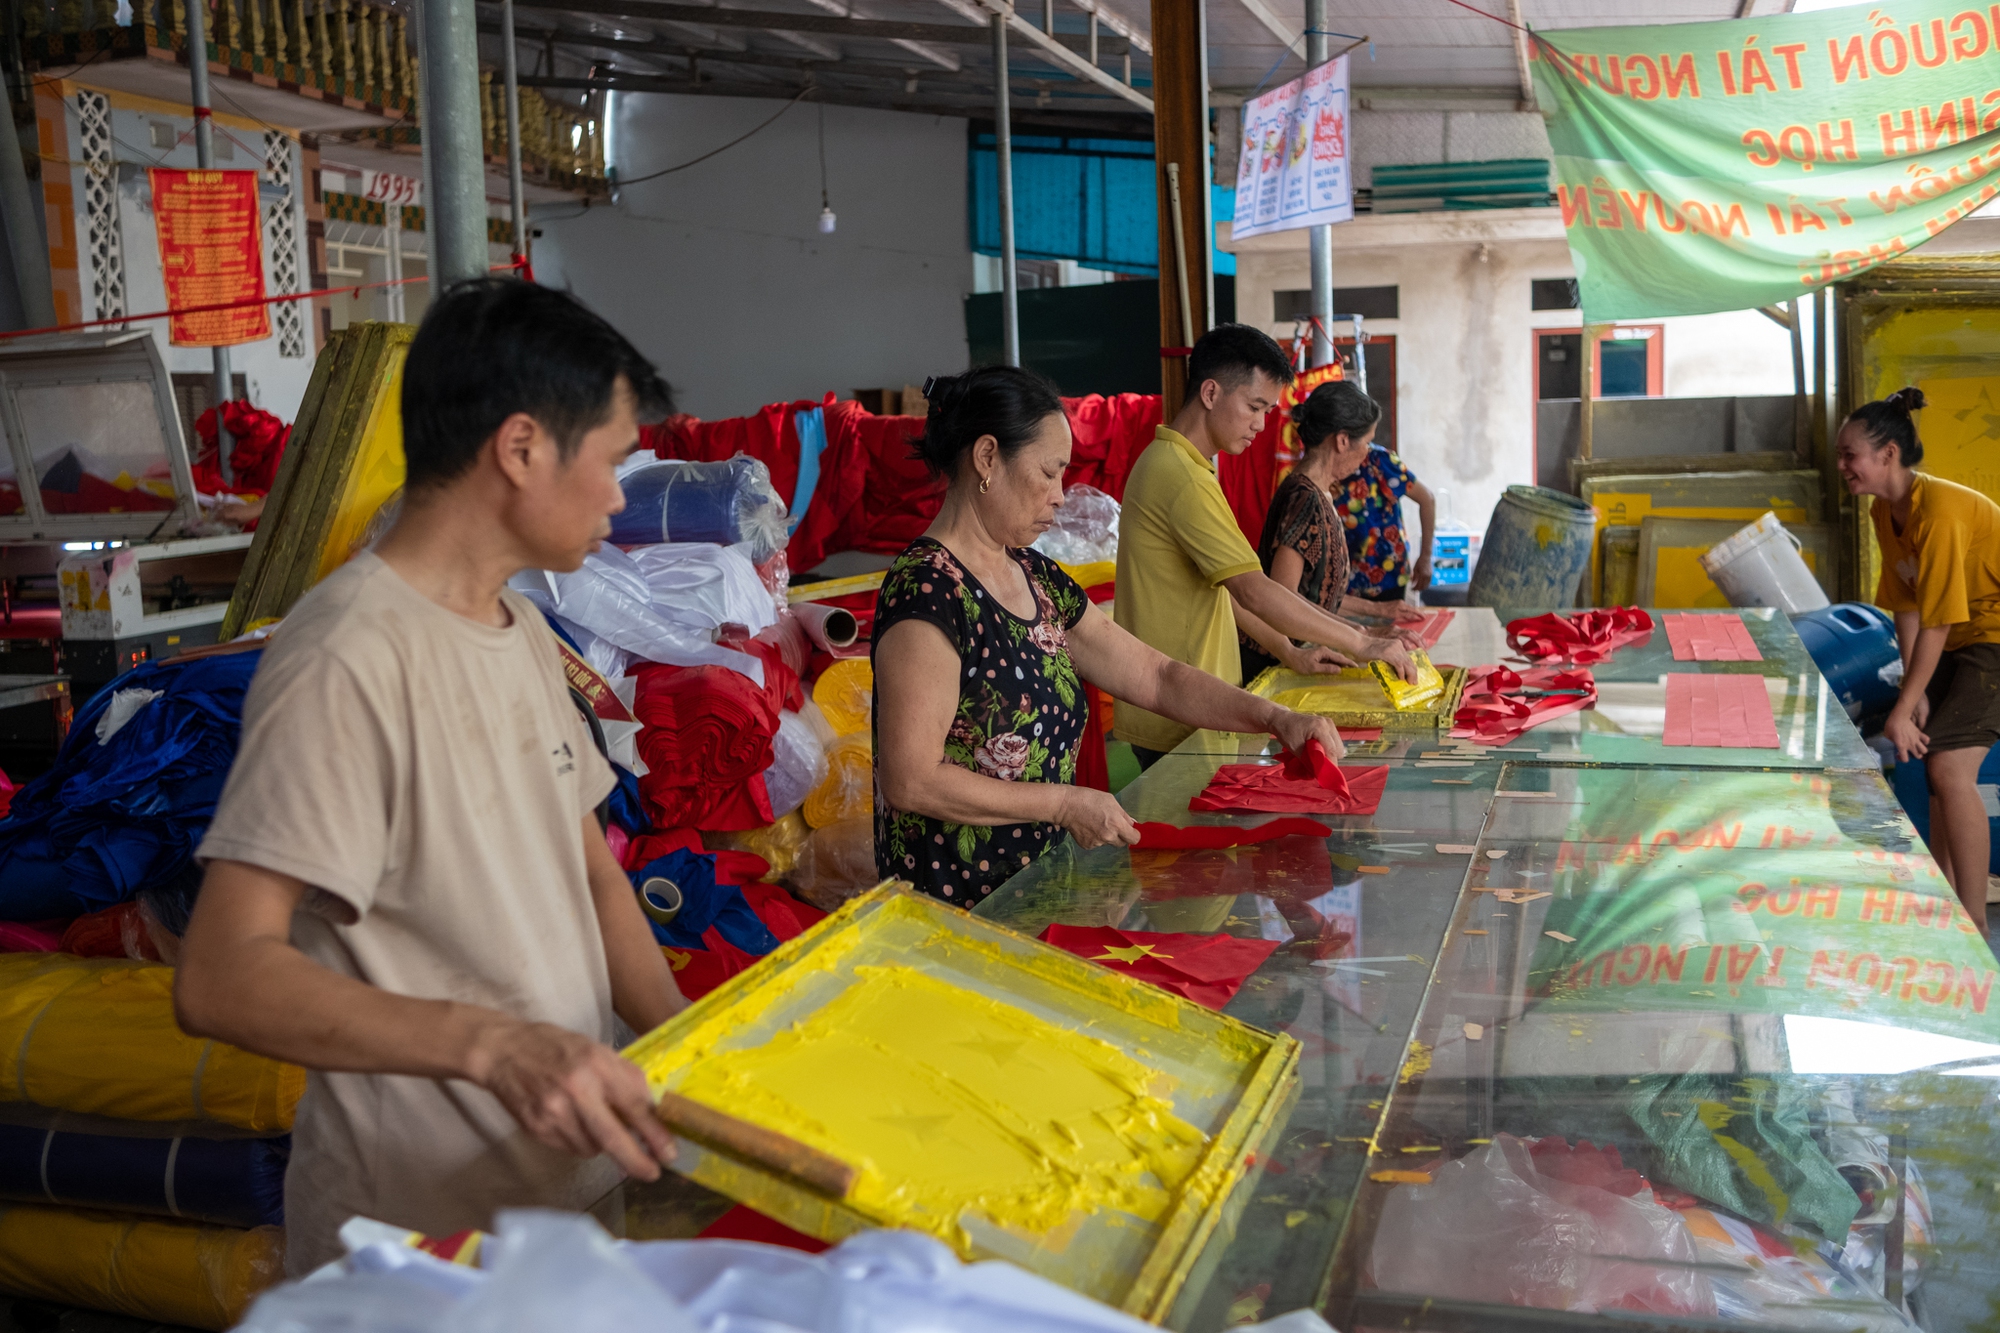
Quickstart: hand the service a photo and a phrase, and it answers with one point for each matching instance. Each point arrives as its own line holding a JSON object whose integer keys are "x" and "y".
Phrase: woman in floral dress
{"x": 980, "y": 649}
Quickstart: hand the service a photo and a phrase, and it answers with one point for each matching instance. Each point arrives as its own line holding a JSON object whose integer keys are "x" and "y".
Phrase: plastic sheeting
{"x": 97, "y": 1035}
{"x": 113, "y": 818}
{"x": 798, "y": 764}
{"x": 160, "y": 1271}
{"x": 230, "y": 1182}
{"x": 610, "y": 598}
{"x": 556, "y": 1271}
{"x": 706, "y": 587}
{"x": 1085, "y": 529}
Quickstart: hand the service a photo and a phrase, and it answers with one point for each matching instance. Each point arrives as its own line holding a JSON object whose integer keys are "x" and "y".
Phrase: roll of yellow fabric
{"x": 97, "y": 1035}
{"x": 154, "y": 1269}
{"x": 849, "y": 789}
{"x": 845, "y": 692}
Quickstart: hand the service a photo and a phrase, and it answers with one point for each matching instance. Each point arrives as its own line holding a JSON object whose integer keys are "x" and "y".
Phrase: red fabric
{"x": 699, "y": 971}
{"x": 1733, "y": 712}
{"x": 1433, "y": 627}
{"x": 1312, "y": 764}
{"x": 872, "y": 495}
{"x": 26, "y": 937}
{"x": 745, "y": 1223}
{"x": 706, "y": 737}
{"x": 1168, "y": 837}
{"x": 1284, "y": 868}
{"x": 1585, "y": 1164}
{"x": 1586, "y": 637}
{"x": 111, "y": 933}
{"x": 1275, "y": 787}
{"x": 257, "y": 442}
{"x": 95, "y": 495}
{"x": 1720, "y": 638}
{"x": 1093, "y": 765}
{"x": 1208, "y": 969}
{"x": 1497, "y": 705}
{"x": 1358, "y": 734}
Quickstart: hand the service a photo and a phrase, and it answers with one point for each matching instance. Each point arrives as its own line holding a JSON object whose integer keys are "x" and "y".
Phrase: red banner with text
{"x": 211, "y": 251}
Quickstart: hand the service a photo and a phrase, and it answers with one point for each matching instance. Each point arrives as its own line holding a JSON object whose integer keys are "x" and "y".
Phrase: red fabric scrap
{"x": 28, "y": 937}
{"x": 1434, "y": 626}
{"x": 1717, "y": 638}
{"x": 1731, "y": 712}
{"x": 1093, "y": 765}
{"x": 115, "y": 932}
{"x": 1208, "y": 969}
{"x": 1586, "y": 637}
{"x": 257, "y": 442}
{"x": 1201, "y": 837}
{"x": 745, "y": 1223}
{"x": 1499, "y": 704}
{"x": 1299, "y": 785}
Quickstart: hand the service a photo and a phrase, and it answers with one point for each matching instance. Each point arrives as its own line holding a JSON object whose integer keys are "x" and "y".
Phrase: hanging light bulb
{"x": 826, "y": 218}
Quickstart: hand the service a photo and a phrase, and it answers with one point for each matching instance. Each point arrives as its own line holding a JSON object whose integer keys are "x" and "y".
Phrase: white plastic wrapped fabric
{"x": 610, "y": 598}
{"x": 544, "y": 1270}
{"x": 704, "y": 586}
{"x": 606, "y": 658}
{"x": 798, "y": 764}
{"x": 1085, "y": 530}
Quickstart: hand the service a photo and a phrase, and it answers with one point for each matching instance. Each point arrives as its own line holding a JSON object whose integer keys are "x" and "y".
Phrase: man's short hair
{"x": 491, "y": 347}
{"x": 1230, "y": 354}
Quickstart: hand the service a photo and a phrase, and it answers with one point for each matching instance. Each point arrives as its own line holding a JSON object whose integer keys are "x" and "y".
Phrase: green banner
{"x": 1721, "y": 166}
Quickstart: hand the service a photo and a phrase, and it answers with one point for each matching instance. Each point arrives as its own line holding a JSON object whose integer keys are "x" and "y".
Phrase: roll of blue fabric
{"x": 231, "y": 1182}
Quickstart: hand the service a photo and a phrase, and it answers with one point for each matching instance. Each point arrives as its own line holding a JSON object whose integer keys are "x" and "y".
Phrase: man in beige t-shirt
{"x": 407, "y": 890}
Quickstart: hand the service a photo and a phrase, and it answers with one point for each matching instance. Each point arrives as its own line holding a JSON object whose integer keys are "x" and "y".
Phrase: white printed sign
{"x": 391, "y": 188}
{"x": 1294, "y": 170}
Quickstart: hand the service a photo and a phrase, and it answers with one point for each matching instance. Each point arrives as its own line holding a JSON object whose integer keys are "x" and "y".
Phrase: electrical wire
{"x": 803, "y": 94}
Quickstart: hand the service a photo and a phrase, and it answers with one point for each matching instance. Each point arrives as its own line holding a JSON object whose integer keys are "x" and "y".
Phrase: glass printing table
{"x": 1738, "y": 967}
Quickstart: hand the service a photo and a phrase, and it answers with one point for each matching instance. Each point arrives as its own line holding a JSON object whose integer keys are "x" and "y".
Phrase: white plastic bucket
{"x": 1761, "y": 566}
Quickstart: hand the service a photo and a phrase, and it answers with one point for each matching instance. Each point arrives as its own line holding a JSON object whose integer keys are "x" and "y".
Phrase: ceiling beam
{"x": 946, "y": 101}
{"x": 941, "y": 58}
{"x": 1292, "y": 39}
{"x": 663, "y": 11}
{"x": 1054, "y": 51}
{"x": 577, "y": 38}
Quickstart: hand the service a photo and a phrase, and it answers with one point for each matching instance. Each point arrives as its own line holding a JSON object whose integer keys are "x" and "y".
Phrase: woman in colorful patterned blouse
{"x": 1304, "y": 545}
{"x": 980, "y": 648}
{"x": 1378, "y": 554}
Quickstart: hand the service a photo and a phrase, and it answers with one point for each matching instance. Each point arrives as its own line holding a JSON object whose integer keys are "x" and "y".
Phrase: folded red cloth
{"x": 1271, "y": 787}
{"x": 1169, "y": 837}
{"x": 1499, "y": 704}
{"x": 705, "y": 735}
{"x": 1717, "y": 638}
{"x": 1587, "y": 636}
{"x": 1312, "y": 764}
{"x": 746, "y": 1223}
{"x": 699, "y": 971}
{"x": 1208, "y": 969}
{"x": 1732, "y": 712}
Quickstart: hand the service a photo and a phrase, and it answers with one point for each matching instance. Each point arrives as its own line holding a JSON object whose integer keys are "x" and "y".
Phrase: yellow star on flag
{"x": 1128, "y": 953}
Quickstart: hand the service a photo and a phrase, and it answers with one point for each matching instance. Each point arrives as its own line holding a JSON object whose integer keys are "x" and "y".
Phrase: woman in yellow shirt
{"x": 1940, "y": 546}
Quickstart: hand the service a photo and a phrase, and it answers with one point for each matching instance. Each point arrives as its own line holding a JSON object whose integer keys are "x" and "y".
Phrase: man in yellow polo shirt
{"x": 1181, "y": 557}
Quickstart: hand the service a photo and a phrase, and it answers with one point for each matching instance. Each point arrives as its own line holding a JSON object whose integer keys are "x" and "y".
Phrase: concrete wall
{"x": 719, "y": 272}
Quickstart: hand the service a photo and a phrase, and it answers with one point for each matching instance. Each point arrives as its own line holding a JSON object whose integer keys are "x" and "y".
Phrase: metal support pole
{"x": 1319, "y": 240}
{"x": 517, "y": 202}
{"x": 1588, "y": 391}
{"x": 1049, "y": 17}
{"x": 1801, "y": 404}
{"x": 1003, "y": 142}
{"x": 1093, "y": 37}
{"x": 24, "y": 234}
{"x": 393, "y": 228}
{"x": 455, "y": 206}
{"x": 204, "y": 160}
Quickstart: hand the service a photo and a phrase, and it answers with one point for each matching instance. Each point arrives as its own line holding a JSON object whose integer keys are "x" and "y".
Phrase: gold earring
{"x": 984, "y": 482}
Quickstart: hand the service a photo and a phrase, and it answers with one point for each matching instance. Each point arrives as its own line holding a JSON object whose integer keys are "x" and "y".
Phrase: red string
{"x": 1495, "y": 17}
{"x": 520, "y": 265}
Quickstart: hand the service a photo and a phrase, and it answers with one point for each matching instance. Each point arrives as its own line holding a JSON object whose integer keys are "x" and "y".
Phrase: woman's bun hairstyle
{"x": 1339, "y": 408}
{"x": 1006, "y": 402}
{"x": 1889, "y": 421}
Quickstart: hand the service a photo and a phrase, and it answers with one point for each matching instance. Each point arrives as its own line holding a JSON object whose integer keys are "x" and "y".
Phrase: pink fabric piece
{"x": 1203, "y": 837}
{"x": 1731, "y": 712}
{"x": 1717, "y": 638}
{"x": 1271, "y": 787}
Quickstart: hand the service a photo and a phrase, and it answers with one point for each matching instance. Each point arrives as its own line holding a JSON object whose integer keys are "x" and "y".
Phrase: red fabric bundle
{"x": 1107, "y": 435}
{"x": 1498, "y": 704}
{"x": 1202, "y": 837}
{"x": 257, "y": 442}
{"x": 115, "y": 932}
{"x": 745, "y": 1223}
{"x": 1588, "y": 636}
{"x": 1305, "y": 782}
{"x": 706, "y": 737}
{"x": 1208, "y": 969}
{"x": 699, "y": 971}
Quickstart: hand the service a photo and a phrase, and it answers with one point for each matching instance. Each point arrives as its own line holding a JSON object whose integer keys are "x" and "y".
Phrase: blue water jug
{"x": 1851, "y": 642}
